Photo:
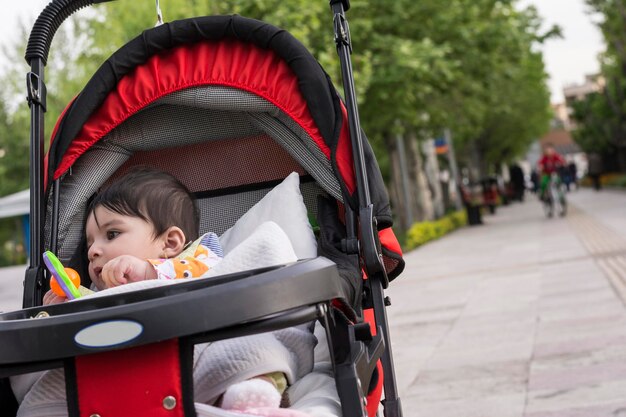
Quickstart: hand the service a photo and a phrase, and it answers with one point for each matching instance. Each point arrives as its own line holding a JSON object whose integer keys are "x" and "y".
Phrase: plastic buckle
{"x": 36, "y": 90}
{"x": 342, "y": 31}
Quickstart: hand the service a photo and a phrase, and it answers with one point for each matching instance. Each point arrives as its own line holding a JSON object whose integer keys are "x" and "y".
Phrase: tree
{"x": 420, "y": 66}
{"x": 467, "y": 65}
{"x": 611, "y": 113}
{"x": 593, "y": 118}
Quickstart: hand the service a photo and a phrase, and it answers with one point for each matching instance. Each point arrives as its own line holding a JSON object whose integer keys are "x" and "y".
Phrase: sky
{"x": 567, "y": 60}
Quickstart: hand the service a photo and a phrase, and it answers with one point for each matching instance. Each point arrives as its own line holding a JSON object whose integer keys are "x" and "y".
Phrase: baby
{"x": 145, "y": 226}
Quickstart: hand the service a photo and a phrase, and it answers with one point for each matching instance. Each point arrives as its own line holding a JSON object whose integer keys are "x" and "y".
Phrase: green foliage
{"x": 423, "y": 232}
{"x": 12, "y": 250}
{"x": 464, "y": 64}
{"x": 459, "y": 218}
{"x": 603, "y": 116}
{"x": 13, "y": 155}
{"x": 618, "y": 182}
{"x": 594, "y": 120}
{"x": 612, "y": 179}
{"x": 467, "y": 65}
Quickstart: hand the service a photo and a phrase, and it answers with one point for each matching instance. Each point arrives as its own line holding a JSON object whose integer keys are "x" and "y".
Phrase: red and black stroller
{"x": 230, "y": 106}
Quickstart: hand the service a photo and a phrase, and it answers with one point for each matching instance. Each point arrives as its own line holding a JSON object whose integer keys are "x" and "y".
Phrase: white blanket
{"x": 218, "y": 365}
{"x": 267, "y": 246}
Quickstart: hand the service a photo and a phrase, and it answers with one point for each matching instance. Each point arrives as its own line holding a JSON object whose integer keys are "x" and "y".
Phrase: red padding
{"x": 374, "y": 396}
{"x": 389, "y": 240}
{"x": 130, "y": 382}
{"x": 228, "y": 63}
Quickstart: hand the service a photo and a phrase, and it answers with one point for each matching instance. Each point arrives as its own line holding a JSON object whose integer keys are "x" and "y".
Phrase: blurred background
{"x": 457, "y": 97}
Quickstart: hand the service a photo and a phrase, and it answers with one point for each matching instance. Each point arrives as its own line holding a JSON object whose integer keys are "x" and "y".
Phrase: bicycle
{"x": 554, "y": 197}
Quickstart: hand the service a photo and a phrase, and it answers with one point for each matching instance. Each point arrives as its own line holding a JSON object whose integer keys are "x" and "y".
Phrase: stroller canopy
{"x": 184, "y": 84}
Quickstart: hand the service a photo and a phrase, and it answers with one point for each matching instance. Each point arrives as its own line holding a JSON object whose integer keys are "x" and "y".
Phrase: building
{"x": 562, "y": 125}
{"x": 593, "y": 83}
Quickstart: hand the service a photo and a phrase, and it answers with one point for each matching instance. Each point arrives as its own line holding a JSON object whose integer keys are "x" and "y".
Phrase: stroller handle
{"x": 346, "y": 4}
{"x": 47, "y": 24}
{"x": 55, "y": 14}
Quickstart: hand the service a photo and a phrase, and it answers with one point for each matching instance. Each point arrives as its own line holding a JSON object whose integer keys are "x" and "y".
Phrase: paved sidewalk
{"x": 11, "y": 287}
{"x": 517, "y": 317}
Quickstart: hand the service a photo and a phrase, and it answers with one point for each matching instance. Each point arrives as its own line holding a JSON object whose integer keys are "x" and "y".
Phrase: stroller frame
{"x": 354, "y": 362}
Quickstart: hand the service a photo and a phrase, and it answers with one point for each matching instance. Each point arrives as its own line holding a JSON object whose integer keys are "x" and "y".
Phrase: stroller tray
{"x": 32, "y": 339}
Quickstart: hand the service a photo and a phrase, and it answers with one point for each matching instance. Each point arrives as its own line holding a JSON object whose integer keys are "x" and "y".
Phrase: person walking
{"x": 594, "y": 169}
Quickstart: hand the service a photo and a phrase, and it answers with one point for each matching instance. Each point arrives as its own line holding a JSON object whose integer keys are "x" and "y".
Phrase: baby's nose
{"x": 93, "y": 252}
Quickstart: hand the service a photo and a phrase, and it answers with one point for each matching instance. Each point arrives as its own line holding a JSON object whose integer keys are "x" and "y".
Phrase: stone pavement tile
{"x": 599, "y": 394}
{"x": 418, "y": 289}
{"x": 579, "y": 345}
{"x": 560, "y": 256}
{"x": 494, "y": 325}
{"x": 490, "y": 406}
{"x": 463, "y": 283}
{"x": 573, "y": 272}
{"x": 443, "y": 315}
{"x": 501, "y": 303}
{"x": 452, "y": 354}
{"x": 494, "y": 321}
{"x": 569, "y": 297}
{"x": 589, "y": 327}
{"x": 426, "y": 307}
{"x": 609, "y": 352}
{"x": 580, "y": 304}
{"x": 413, "y": 345}
{"x": 617, "y": 409}
{"x": 574, "y": 377}
{"x": 572, "y": 283}
{"x": 606, "y": 207}
{"x": 581, "y": 311}
{"x": 481, "y": 339}
{"x": 470, "y": 382}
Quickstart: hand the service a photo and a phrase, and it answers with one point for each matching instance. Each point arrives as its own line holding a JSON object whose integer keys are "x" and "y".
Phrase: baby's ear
{"x": 173, "y": 242}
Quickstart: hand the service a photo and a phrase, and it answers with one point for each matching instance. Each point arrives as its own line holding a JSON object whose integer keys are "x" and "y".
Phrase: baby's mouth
{"x": 97, "y": 271}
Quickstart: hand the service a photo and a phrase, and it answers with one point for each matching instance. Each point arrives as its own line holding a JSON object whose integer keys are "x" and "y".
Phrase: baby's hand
{"x": 52, "y": 298}
{"x": 125, "y": 269}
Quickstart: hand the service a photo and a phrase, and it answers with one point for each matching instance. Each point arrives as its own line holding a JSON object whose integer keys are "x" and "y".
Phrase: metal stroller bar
{"x": 369, "y": 244}
{"x": 36, "y": 56}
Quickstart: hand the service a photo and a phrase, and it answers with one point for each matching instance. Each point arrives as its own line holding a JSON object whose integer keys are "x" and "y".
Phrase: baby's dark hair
{"x": 154, "y": 196}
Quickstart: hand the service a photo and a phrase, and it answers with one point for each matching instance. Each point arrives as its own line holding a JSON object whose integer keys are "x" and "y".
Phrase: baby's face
{"x": 111, "y": 234}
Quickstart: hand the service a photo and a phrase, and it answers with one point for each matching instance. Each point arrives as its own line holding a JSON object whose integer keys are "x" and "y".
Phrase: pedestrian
{"x": 594, "y": 169}
{"x": 534, "y": 178}
{"x": 573, "y": 173}
{"x": 517, "y": 181}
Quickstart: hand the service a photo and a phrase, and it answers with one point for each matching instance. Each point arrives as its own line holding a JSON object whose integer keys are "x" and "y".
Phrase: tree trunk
{"x": 479, "y": 168}
{"x": 423, "y": 204}
{"x": 396, "y": 194}
{"x": 621, "y": 158}
{"x": 432, "y": 174}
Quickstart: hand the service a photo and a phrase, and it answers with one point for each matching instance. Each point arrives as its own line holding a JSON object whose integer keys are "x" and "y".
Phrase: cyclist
{"x": 549, "y": 163}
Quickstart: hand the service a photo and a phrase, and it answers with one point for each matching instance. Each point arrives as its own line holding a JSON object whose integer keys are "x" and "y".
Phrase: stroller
{"x": 230, "y": 106}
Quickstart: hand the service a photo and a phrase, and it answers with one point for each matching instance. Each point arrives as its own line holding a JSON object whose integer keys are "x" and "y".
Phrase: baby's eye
{"x": 112, "y": 234}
